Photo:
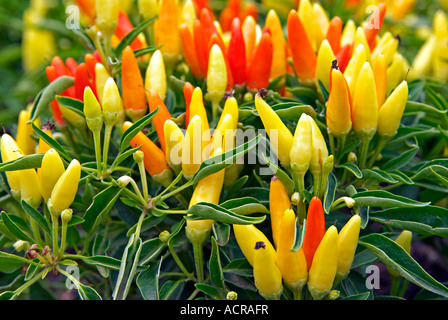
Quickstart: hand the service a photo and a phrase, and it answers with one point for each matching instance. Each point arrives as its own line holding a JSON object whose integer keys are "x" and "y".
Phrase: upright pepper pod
{"x": 231, "y": 108}
{"x": 354, "y": 67}
{"x": 404, "y": 240}
{"x": 107, "y": 15}
{"x": 65, "y": 189}
{"x": 197, "y": 108}
{"x": 391, "y": 111}
{"x": 380, "y": 74}
{"x": 365, "y": 105}
{"x": 325, "y": 58}
{"x": 273, "y": 125}
{"x": 348, "y": 32}
{"x": 320, "y": 24}
{"x": 148, "y": 8}
{"x": 188, "y": 93}
{"x": 166, "y": 32}
{"x": 216, "y": 77}
{"x": 25, "y": 131}
{"x": 306, "y": 16}
{"x": 360, "y": 38}
{"x": 155, "y": 77}
{"x": 279, "y": 202}
{"x": 278, "y": 67}
{"x": 267, "y": 276}
{"x": 92, "y": 111}
{"x": 301, "y": 149}
{"x": 347, "y": 243}
{"x": 259, "y": 67}
{"x": 124, "y": 27}
{"x": 111, "y": 103}
{"x": 324, "y": 266}
{"x": 51, "y": 170}
{"x": 374, "y": 24}
{"x": 188, "y": 13}
{"x": 29, "y": 187}
{"x": 193, "y": 146}
{"x": 387, "y": 45}
{"x": 82, "y": 80}
{"x": 133, "y": 90}
{"x": 319, "y": 153}
{"x": 248, "y": 29}
{"x": 42, "y": 146}
{"x": 189, "y": 51}
{"x": 334, "y": 34}
{"x": 302, "y": 52}
{"x": 201, "y": 46}
{"x": 162, "y": 115}
{"x": 314, "y": 230}
{"x": 396, "y": 72}
{"x": 339, "y": 105}
{"x": 236, "y": 53}
{"x": 292, "y": 264}
{"x": 173, "y": 142}
{"x": 101, "y": 76}
{"x": 10, "y": 151}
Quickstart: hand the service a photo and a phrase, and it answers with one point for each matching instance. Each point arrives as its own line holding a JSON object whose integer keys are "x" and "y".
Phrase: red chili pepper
{"x": 303, "y": 55}
{"x": 91, "y": 60}
{"x": 188, "y": 92}
{"x": 57, "y": 114}
{"x": 161, "y": 116}
{"x": 373, "y": 26}
{"x": 61, "y": 70}
{"x": 124, "y": 26}
{"x": 334, "y": 33}
{"x": 344, "y": 55}
{"x": 82, "y": 80}
{"x": 259, "y": 68}
{"x": 229, "y": 13}
{"x": 189, "y": 51}
{"x": 207, "y": 22}
{"x": 236, "y": 52}
{"x": 201, "y": 45}
{"x": 71, "y": 66}
{"x": 314, "y": 230}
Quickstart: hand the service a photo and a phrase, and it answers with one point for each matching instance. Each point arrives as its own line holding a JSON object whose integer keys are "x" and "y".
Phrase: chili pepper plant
{"x": 213, "y": 150}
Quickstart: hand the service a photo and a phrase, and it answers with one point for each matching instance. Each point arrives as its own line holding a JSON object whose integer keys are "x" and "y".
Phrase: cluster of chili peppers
{"x": 319, "y": 264}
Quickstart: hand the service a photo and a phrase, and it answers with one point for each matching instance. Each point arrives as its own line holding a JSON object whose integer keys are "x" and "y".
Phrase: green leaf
{"x": 205, "y": 210}
{"x": 145, "y": 51}
{"x": 330, "y": 193}
{"x": 14, "y": 229}
{"x": 51, "y": 142}
{"x": 169, "y": 287}
{"x": 282, "y": 176}
{"x": 429, "y": 220}
{"x": 101, "y": 205}
{"x": 221, "y": 161}
{"x": 216, "y": 275}
{"x": 394, "y": 256}
{"x": 401, "y": 160}
{"x": 382, "y": 198}
{"x": 43, "y": 100}
{"x": 75, "y": 105}
{"x": 293, "y": 110}
{"x": 134, "y": 129}
{"x": 25, "y": 162}
{"x": 400, "y": 176}
{"x": 441, "y": 178}
{"x": 244, "y": 206}
{"x": 87, "y": 293}
{"x": 299, "y": 235}
{"x": 377, "y": 175}
{"x": 353, "y": 168}
{"x": 127, "y": 40}
{"x": 148, "y": 281}
{"x": 207, "y": 289}
{"x": 412, "y": 106}
{"x": 36, "y": 215}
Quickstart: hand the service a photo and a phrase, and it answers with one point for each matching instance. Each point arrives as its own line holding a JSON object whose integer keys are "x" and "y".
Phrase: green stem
{"x": 55, "y": 227}
{"x": 332, "y": 147}
{"x": 215, "y": 108}
{"x": 27, "y": 284}
{"x": 142, "y": 171}
{"x": 107, "y": 135}
{"x": 198, "y": 260}
{"x": 97, "y": 144}
{"x": 63, "y": 239}
{"x": 179, "y": 262}
{"x": 363, "y": 153}
{"x": 381, "y": 144}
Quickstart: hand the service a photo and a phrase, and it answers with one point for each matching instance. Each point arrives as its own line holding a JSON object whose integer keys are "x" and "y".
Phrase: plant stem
{"x": 55, "y": 227}
{"x": 381, "y": 144}
{"x": 301, "y": 207}
{"x": 27, "y": 284}
{"x": 97, "y": 144}
{"x": 179, "y": 262}
{"x": 107, "y": 135}
{"x": 363, "y": 153}
{"x": 63, "y": 239}
{"x": 198, "y": 260}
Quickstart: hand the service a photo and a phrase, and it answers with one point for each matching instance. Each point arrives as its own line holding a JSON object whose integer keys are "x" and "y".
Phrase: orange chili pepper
{"x": 259, "y": 69}
{"x": 334, "y": 33}
{"x": 155, "y": 101}
{"x": 154, "y": 158}
{"x": 303, "y": 55}
{"x": 188, "y": 93}
{"x": 250, "y": 36}
{"x": 124, "y": 26}
{"x": 201, "y": 45}
{"x": 133, "y": 89}
{"x": 189, "y": 51}
{"x": 344, "y": 55}
{"x": 314, "y": 230}
{"x": 373, "y": 26}
{"x": 236, "y": 52}
{"x": 88, "y": 8}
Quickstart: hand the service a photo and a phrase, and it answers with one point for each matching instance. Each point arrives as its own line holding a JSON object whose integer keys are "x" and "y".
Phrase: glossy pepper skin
{"x": 278, "y": 67}
{"x": 193, "y": 146}
{"x": 267, "y": 276}
{"x": 347, "y": 243}
{"x": 292, "y": 264}
{"x": 133, "y": 90}
{"x": 314, "y": 230}
{"x": 325, "y": 58}
{"x": 155, "y": 77}
{"x": 51, "y": 170}
{"x": 216, "y": 76}
{"x": 154, "y": 158}
{"x": 279, "y": 202}
{"x": 29, "y": 187}
{"x": 236, "y": 53}
{"x": 10, "y": 151}
{"x": 107, "y": 15}
{"x": 189, "y": 51}
{"x": 65, "y": 189}
{"x": 166, "y": 32}
{"x": 339, "y": 105}
{"x": 391, "y": 111}
{"x": 303, "y": 55}
{"x": 155, "y": 101}
{"x": 259, "y": 67}
{"x": 274, "y": 126}
{"x": 404, "y": 240}
{"x": 324, "y": 266}
{"x": 24, "y": 133}
{"x": 301, "y": 149}
{"x": 173, "y": 142}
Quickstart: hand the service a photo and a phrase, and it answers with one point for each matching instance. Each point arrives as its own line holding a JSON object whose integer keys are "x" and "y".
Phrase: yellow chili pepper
{"x": 365, "y": 105}
{"x": 354, "y": 67}
{"x": 404, "y": 240}
{"x": 387, "y": 45}
{"x": 92, "y": 110}
{"x": 188, "y": 14}
{"x": 380, "y": 74}
{"x": 440, "y": 30}
{"x": 230, "y": 107}
{"x": 65, "y": 189}
{"x": 347, "y": 243}
{"x": 223, "y": 137}
{"x": 278, "y": 67}
{"x": 10, "y": 151}
{"x": 155, "y": 77}
{"x": 339, "y": 105}
{"x": 216, "y": 78}
{"x": 360, "y": 38}
{"x": 29, "y": 187}
{"x": 275, "y": 128}
{"x": 267, "y": 276}
{"x": 391, "y": 111}
{"x": 25, "y": 131}
{"x": 348, "y": 33}
{"x": 193, "y": 146}
{"x": 197, "y": 108}
{"x": 324, "y": 266}
{"x": 107, "y": 15}
{"x": 279, "y": 201}
{"x": 112, "y": 105}
{"x": 396, "y": 72}
{"x": 319, "y": 151}
{"x": 247, "y": 235}
{"x": 422, "y": 64}
{"x": 305, "y": 12}
{"x": 173, "y": 141}
{"x": 166, "y": 32}
{"x": 51, "y": 170}
{"x": 42, "y": 146}
{"x": 101, "y": 76}
{"x": 325, "y": 58}
{"x": 321, "y": 24}
{"x": 301, "y": 150}
{"x": 292, "y": 264}
{"x": 148, "y": 8}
